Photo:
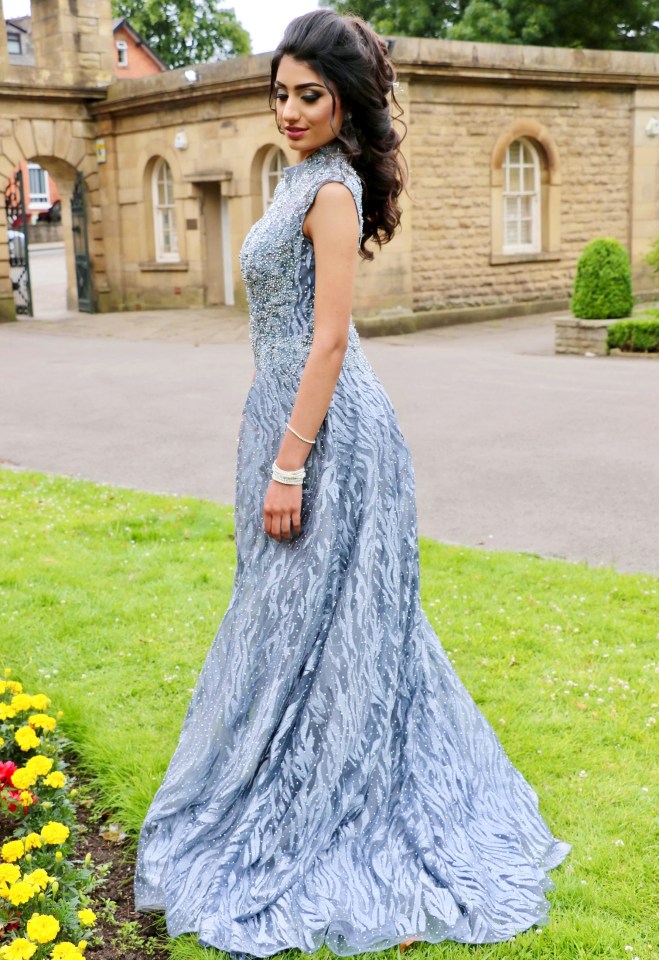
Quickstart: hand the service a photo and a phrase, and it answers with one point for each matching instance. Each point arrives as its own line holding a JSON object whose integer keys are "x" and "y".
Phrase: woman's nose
{"x": 290, "y": 111}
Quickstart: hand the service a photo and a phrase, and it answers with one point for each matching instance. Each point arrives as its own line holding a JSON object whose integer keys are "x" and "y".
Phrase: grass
{"x": 109, "y": 600}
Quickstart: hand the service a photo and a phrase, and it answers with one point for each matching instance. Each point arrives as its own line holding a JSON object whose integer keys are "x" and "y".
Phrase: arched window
{"x": 273, "y": 166}
{"x": 164, "y": 213}
{"x": 522, "y": 229}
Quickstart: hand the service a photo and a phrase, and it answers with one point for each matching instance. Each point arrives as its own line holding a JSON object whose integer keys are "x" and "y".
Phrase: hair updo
{"x": 353, "y": 62}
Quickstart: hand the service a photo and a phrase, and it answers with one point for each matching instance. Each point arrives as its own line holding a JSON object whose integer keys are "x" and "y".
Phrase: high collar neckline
{"x": 327, "y": 150}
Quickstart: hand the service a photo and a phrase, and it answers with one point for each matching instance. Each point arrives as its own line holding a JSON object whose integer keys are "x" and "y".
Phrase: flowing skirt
{"x": 334, "y": 782}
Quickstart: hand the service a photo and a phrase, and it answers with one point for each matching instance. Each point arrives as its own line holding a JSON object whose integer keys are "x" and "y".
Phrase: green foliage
{"x": 603, "y": 283}
{"x": 652, "y": 258}
{"x": 429, "y": 18}
{"x": 611, "y": 25}
{"x": 114, "y": 598}
{"x": 186, "y": 31}
{"x": 638, "y": 335}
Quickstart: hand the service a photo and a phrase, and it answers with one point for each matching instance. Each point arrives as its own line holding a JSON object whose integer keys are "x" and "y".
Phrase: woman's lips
{"x": 295, "y": 132}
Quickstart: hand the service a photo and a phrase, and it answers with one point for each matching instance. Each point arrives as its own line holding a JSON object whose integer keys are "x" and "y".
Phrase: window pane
{"x": 272, "y": 174}
{"x": 521, "y": 207}
{"x": 529, "y": 179}
{"x": 164, "y": 212}
{"x": 38, "y": 184}
{"x": 515, "y": 152}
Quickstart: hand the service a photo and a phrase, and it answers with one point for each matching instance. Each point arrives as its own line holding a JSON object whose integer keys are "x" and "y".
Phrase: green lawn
{"x": 109, "y": 600}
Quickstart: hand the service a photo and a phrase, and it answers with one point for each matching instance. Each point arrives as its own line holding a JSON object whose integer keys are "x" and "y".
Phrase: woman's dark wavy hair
{"x": 353, "y": 62}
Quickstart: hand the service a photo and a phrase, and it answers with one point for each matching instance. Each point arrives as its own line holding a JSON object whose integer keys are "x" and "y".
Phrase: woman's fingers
{"x": 282, "y": 512}
{"x": 275, "y": 526}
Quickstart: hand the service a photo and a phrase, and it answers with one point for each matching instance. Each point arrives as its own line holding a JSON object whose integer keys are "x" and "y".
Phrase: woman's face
{"x": 304, "y": 107}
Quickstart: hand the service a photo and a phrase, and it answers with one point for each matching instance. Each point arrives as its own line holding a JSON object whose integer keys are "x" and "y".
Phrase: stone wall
{"x": 587, "y": 112}
{"x": 458, "y": 112}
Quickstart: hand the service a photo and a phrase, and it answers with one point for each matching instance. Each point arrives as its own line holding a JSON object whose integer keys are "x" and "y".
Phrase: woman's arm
{"x": 332, "y": 225}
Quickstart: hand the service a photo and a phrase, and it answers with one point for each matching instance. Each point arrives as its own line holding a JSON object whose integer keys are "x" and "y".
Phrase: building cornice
{"x": 449, "y": 61}
{"x": 461, "y": 61}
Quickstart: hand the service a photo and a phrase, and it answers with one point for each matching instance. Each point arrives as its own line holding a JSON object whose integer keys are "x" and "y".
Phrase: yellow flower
{"x": 87, "y": 917}
{"x": 12, "y": 850}
{"x": 9, "y": 873}
{"x": 21, "y": 702}
{"x": 54, "y": 832}
{"x": 40, "y": 702}
{"x": 55, "y": 779}
{"x": 6, "y": 712}
{"x": 20, "y": 892}
{"x": 2, "y": 742}
{"x": 14, "y": 686}
{"x": 42, "y": 721}
{"x": 66, "y": 951}
{"x": 39, "y": 765}
{"x": 82, "y": 945}
{"x": 42, "y": 928}
{"x": 18, "y": 949}
{"x": 23, "y": 778}
{"x": 26, "y": 798}
{"x": 3, "y": 687}
{"x": 37, "y": 879}
{"x": 58, "y": 855}
{"x": 26, "y": 738}
{"x": 32, "y": 842}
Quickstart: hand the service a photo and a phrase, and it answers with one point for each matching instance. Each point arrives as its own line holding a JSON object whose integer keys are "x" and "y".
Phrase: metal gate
{"x": 19, "y": 263}
{"x": 81, "y": 247}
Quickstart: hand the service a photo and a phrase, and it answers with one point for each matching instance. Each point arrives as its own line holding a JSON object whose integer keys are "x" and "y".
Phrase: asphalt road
{"x": 514, "y": 448}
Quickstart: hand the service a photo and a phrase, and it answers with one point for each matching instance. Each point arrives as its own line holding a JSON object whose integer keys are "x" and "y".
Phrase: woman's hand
{"x": 282, "y": 510}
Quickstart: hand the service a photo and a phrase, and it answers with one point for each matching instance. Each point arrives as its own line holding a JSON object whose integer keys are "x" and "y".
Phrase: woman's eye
{"x": 280, "y": 96}
{"x": 311, "y": 98}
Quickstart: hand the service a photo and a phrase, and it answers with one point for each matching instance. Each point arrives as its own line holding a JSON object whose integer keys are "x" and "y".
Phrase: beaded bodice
{"x": 278, "y": 266}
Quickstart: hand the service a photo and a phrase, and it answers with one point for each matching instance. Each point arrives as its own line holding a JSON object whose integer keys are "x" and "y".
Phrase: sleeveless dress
{"x": 334, "y": 782}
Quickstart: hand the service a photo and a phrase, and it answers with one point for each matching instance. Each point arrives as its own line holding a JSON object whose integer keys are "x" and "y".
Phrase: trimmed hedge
{"x": 603, "y": 282}
{"x": 640, "y": 336}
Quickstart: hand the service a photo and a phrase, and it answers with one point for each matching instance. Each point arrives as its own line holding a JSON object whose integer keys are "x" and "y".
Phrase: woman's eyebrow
{"x": 299, "y": 86}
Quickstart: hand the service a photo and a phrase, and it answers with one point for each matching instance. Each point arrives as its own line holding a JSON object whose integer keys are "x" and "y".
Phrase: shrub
{"x": 639, "y": 335}
{"x": 652, "y": 258}
{"x": 603, "y": 283}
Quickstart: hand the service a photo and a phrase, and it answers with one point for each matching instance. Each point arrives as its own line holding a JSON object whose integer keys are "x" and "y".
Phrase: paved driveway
{"x": 514, "y": 448}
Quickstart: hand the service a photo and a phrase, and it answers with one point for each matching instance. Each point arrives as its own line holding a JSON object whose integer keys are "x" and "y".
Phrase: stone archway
{"x": 62, "y": 147}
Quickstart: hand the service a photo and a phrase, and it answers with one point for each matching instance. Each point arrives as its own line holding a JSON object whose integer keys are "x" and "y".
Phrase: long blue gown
{"x": 334, "y": 781}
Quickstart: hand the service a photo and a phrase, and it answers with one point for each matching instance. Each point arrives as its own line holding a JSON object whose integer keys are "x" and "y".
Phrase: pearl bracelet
{"x": 299, "y": 435}
{"x": 294, "y": 477}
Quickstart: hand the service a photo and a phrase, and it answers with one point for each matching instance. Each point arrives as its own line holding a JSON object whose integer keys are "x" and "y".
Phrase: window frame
{"x": 14, "y": 36}
{"x": 160, "y": 216}
{"x": 275, "y": 153}
{"x": 122, "y": 53}
{"x": 39, "y": 199}
{"x": 535, "y": 243}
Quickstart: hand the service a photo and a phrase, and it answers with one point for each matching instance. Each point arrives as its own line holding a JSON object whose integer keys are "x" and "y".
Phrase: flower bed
{"x": 45, "y": 903}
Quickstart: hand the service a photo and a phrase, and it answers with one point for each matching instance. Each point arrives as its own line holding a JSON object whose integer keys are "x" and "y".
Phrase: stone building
{"x": 518, "y": 156}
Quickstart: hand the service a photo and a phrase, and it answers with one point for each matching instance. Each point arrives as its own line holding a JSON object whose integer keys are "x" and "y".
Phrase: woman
{"x": 334, "y": 781}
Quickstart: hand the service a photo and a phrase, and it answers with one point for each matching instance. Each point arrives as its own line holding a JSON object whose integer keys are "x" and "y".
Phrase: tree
{"x": 425, "y": 18}
{"x": 186, "y": 31}
{"x": 598, "y": 25}
{"x": 595, "y": 24}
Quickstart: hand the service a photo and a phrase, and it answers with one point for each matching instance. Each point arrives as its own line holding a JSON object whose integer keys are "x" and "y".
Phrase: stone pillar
{"x": 73, "y": 49}
{"x": 644, "y": 221}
